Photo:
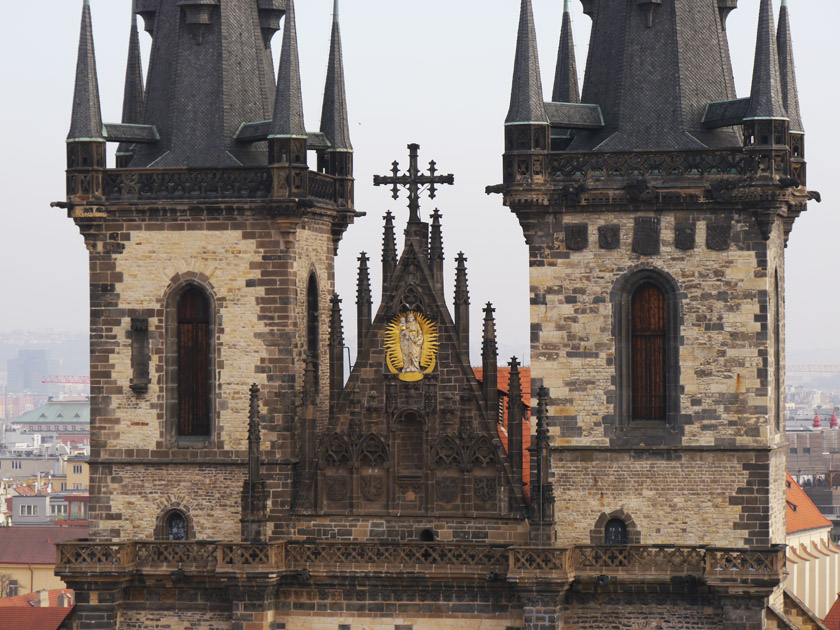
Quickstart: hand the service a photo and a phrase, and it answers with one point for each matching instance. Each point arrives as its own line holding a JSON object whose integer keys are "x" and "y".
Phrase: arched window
{"x": 312, "y": 317}
{"x": 175, "y": 526}
{"x": 194, "y": 363}
{"x": 647, "y": 347}
{"x": 615, "y": 533}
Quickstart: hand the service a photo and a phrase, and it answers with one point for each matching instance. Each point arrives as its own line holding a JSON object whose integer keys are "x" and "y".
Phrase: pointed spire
{"x": 86, "y": 120}
{"x": 462, "y": 303}
{"x": 336, "y": 352}
{"x": 542, "y": 418}
{"x": 787, "y": 70}
{"x": 334, "y": 124}
{"x": 489, "y": 364}
{"x": 363, "y": 302}
{"x": 389, "y": 250}
{"x": 766, "y": 95}
{"x": 566, "y": 88}
{"x": 526, "y": 97}
{"x": 436, "y": 251}
{"x": 133, "y": 93}
{"x": 515, "y": 413}
{"x": 288, "y": 106}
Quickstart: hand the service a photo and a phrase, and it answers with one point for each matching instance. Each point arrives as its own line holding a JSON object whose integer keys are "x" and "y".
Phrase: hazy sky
{"x": 435, "y": 72}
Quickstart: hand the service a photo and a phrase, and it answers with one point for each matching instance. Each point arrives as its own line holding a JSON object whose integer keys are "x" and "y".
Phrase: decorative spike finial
{"x": 489, "y": 364}
{"x": 389, "y": 250}
{"x": 133, "y": 92}
{"x": 462, "y": 303}
{"x": 363, "y": 301}
{"x": 566, "y": 89}
{"x": 526, "y": 97}
{"x": 515, "y": 418}
{"x": 287, "y": 121}
{"x": 86, "y": 119}
{"x": 436, "y": 251}
{"x": 336, "y": 352}
{"x": 335, "y": 11}
{"x": 787, "y": 69}
{"x": 462, "y": 294}
{"x": 334, "y": 123}
{"x": 766, "y": 95}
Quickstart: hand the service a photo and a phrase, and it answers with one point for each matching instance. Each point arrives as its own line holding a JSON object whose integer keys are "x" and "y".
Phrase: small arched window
{"x": 175, "y": 527}
{"x": 312, "y": 317}
{"x": 615, "y": 533}
{"x": 648, "y": 338}
{"x": 194, "y": 363}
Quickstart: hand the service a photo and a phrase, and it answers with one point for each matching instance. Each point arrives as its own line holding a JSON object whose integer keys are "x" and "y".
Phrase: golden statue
{"x": 411, "y": 346}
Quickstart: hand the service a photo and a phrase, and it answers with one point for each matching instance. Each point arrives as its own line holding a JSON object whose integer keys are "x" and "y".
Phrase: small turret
{"x": 566, "y": 88}
{"x": 389, "y": 251}
{"x": 489, "y": 365}
{"x": 363, "y": 302}
{"x": 462, "y": 304}
{"x": 133, "y": 93}
{"x": 287, "y": 137}
{"x": 515, "y": 418}
{"x": 790, "y": 95}
{"x": 526, "y": 125}
{"x": 336, "y": 351}
{"x": 766, "y": 122}
{"x": 85, "y": 142}
{"x": 338, "y": 159}
{"x": 436, "y": 252}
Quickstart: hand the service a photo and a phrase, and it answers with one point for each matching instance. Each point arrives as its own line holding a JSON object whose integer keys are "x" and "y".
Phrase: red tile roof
{"x": 802, "y": 514}
{"x": 23, "y": 600}
{"x": 34, "y": 545}
{"x": 832, "y": 619}
{"x": 504, "y": 388}
{"x": 33, "y": 618}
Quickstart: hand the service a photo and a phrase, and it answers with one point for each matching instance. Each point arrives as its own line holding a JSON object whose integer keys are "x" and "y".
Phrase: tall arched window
{"x": 194, "y": 363}
{"x": 647, "y": 346}
{"x": 312, "y": 317}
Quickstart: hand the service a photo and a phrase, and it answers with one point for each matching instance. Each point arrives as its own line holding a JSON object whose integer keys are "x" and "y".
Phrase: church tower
{"x": 656, "y": 208}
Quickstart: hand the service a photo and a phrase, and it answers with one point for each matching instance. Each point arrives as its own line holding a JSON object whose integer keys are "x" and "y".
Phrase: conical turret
{"x": 566, "y": 88}
{"x": 526, "y": 95}
{"x": 86, "y": 119}
{"x": 766, "y": 94}
{"x": 790, "y": 94}
{"x": 133, "y": 93}
{"x": 334, "y": 123}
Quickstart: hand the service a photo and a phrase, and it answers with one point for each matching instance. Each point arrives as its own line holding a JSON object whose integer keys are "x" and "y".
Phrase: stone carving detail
{"x": 373, "y": 487}
{"x": 646, "y": 236}
{"x": 718, "y": 236}
{"x": 685, "y": 235}
{"x": 336, "y": 451}
{"x": 698, "y": 164}
{"x": 640, "y": 190}
{"x": 447, "y": 489}
{"x": 609, "y": 237}
{"x": 336, "y": 488}
{"x": 485, "y": 489}
{"x": 577, "y": 236}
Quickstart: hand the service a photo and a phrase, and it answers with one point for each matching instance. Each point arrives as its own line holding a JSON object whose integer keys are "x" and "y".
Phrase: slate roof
{"x": 787, "y": 70}
{"x": 34, "y": 545}
{"x": 86, "y": 119}
{"x": 334, "y": 124}
{"x": 653, "y": 83}
{"x": 566, "y": 89}
{"x": 58, "y": 412}
{"x": 802, "y": 514}
{"x": 288, "y": 105}
{"x": 526, "y": 95}
{"x": 766, "y": 94}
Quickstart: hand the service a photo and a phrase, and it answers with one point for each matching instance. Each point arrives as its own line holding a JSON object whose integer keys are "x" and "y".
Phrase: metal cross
{"x": 413, "y": 180}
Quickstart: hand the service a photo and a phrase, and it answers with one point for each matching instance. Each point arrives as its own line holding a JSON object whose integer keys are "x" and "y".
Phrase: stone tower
{"x": 656, "y": 209}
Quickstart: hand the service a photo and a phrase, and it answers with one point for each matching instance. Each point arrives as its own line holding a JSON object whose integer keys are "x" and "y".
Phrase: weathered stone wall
{"x": 167, "y": 620}
{"x": 643, "y": 612}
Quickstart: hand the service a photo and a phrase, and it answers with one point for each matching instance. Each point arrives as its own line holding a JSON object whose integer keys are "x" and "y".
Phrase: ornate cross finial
{"x": 413, "y": 180}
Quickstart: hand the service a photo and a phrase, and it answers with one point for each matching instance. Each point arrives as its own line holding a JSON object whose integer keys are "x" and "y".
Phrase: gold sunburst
{"x": 395, "y": 350}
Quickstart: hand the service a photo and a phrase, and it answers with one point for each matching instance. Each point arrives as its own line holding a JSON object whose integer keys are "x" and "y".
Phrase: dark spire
{"x": 489, "y": 364}
{"x": 515, "y": 418}
{"x": 86, "y": 120}
{"x": 287, "y": 121}
{"x": 436, "y": 251}
{"x": 566, "y": 88}
{"x": 462, "y": 303}
{"x": 526, "y": 95}
{"x": 334, "y": 123}
{"x": 787, "y": 69}
{"x": 363, "y": 302}
{"x": 389, "y": 250}
{"x": 336, "y": 352}
{"x": 766, "y": 95}
{"x": 133, "y": 93}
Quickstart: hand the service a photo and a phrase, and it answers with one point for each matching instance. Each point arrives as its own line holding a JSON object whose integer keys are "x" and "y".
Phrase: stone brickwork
{"x": 644, "y": 612}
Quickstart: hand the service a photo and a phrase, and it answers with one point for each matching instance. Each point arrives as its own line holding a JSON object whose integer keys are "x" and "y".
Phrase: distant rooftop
{"x": 57, "y": 412}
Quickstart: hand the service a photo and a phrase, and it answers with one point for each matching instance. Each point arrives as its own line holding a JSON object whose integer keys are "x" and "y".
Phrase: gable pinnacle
{"x": 766, "y": 94}
{"x": 287, "y": 121}
{"x": 86, "y": 119}
{"x": 334, "y": 123}
{"x": 389, "y": 250}
{"x": 462, "y": 293}
{"x": 526, "y": 95}
{"x": 566, "y": 88}
{"x": 787, "y": 70}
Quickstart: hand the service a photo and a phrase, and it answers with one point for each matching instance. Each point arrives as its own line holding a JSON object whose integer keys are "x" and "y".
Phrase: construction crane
{"x": 67, "y": 380}
{"x": 814, "y": 369}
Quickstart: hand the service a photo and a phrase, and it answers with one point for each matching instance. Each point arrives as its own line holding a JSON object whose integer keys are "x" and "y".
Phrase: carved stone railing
{"x": 322, "y": 187}
{"x": 576, "y": 166}
{"x": 80, "y": 558}
{"x": 186, "y": 184}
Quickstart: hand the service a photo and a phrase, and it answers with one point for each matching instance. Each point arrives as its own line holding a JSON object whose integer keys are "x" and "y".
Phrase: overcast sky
{"x": 435, "y": 72}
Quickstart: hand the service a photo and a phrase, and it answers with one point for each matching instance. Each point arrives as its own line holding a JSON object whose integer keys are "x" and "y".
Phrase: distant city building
{"x": 67, "y": 422}
{"x": 26, "y": 372}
